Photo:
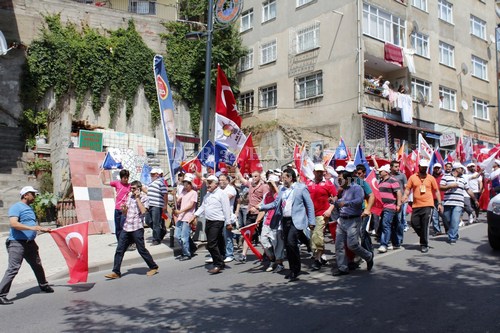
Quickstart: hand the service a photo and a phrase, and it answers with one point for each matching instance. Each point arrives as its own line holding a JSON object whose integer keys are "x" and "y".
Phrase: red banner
{"x": 247, "y": 233}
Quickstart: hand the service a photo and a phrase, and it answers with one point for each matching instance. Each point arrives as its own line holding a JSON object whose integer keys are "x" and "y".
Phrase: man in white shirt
{"x": 217, "y": 212}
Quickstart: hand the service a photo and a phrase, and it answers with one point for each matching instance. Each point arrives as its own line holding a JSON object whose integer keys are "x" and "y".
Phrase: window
{"x": 268, "y": 10}
{"x": 479, "y": 68}
{"x": 445, "y": 11}
{"x": 420, "y": 43}
{"x": 245, "y": 102}
{"x": 420, "y": 4}
{"x": 447, "y": 99}
{"x": 246, "y": 20}
{"x": 307, "y": 38}
{"x": 446, "y": 54}
{"x": 303, "y": 2}
{"x": 309, "y": 86}
{"x": 421, "y": 91}
{"x": 268, "y": 97}
{"x": 480, "y": 109}
{"x": 268, "y": 52}
{"x": 477, "y": 27}
{"x": 246, "y": 62}
{"x": 382, "y": 25}
{"x": 142, "y": 7}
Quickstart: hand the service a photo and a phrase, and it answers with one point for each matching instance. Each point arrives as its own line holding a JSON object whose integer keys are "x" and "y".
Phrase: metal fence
{"x": 139, "y": 7}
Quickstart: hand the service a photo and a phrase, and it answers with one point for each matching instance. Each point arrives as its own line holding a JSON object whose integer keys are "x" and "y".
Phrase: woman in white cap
{"x": 186, "y": 203}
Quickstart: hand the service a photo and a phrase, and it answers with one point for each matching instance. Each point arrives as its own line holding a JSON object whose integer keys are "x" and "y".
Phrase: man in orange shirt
{"x": 424, "y": 188}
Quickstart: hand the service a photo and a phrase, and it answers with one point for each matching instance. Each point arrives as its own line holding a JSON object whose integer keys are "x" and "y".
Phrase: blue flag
{"x": 435, "y": 158}
{"x": 222, "y": 154}
{"x": 112, "y": 160}
{"x": 360, "y": 158}
{"x": 207, "y": 155}
{"x": 341, "y": 152}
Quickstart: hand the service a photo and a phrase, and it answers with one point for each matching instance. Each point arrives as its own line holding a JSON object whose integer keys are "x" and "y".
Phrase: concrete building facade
{"x": 312, "y": 67}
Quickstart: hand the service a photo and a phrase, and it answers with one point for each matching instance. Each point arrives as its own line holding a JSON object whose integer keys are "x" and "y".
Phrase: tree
{"x": 185, "y": 59}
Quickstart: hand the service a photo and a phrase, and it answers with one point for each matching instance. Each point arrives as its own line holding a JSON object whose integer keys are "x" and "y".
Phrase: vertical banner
{"x": 175, "y": 149}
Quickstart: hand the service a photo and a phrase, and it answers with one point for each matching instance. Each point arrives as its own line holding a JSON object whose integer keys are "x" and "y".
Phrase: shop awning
{"x": 398, "y": 124}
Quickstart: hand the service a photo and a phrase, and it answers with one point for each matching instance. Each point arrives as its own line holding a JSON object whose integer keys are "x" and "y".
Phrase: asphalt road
{"x": 453, "y": 288}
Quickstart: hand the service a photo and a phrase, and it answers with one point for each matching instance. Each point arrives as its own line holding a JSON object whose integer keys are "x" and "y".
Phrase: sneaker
{"x": 5, "y": 301}
{"x": 154, "y": 243}
{"x": 270, "y": 269}
{"x": 382, "y": 249}
{"x": 316, "y": 266}
{"x": 47, "y": 289}
{"x": 184, "y": 258}
{"x": 424, "y": 249}
{"x": 209, "y": 261}
{"x": 279, "y": 268}
{"x": 390, "y": 247}
{"x": 471, "y": 219}
{"x": 152, "y": 272}
{"x": 451, "y": 241}
{"x": 228, "y": 259}
{"x": 241, "y": 258}
{"x": 406, "y": 229}
{"x": 461, "y": 224}
{"x": 398, "y": 247}
{"x": 112, "y": 276}
{"x": 132, "y": 247}
{"x": 369, "y": 263}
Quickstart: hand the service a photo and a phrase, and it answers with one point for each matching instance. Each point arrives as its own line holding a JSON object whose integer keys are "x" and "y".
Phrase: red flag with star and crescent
{"x": 372, "y": 181}
{"x": 72, "y": 240}
{"x": 225, "y": 103}
{"x": 248, "y": 160}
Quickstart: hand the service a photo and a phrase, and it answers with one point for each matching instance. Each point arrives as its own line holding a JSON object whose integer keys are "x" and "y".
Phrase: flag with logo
{"x": 223, "y": 156}
{"x": 306, "y": 166}
{"x": 248, "y": 160}
{"x": 229, "y": 134}
{"x": 206, "y": 155}
{"x": 424, "y": 149}
{"x": 72, "y": 240}
{"x": 174, "y": 148}
{"x": 359, "y": 158}
{"x": 468, "y": 149}
{"x": 113, "y": 159}
{"x": 225, "y": 103}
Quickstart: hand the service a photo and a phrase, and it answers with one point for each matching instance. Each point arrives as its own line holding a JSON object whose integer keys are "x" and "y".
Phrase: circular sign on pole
{"x": 227, "y": 11}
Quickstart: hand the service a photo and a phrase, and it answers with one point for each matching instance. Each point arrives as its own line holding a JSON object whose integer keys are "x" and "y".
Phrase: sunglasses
{"x": 133, "y": 188}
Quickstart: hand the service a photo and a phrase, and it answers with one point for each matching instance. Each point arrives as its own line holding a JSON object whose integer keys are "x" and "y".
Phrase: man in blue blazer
{"x": 294, "y": 208}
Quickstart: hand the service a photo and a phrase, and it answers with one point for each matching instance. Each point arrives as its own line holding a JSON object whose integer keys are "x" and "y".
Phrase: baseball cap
{"x": 471, "y": 164}
{"x": 273, "y": 178}
{"x": 278, "y": 171}
{"x": 350, "y": 167}
{"x": 188, "y": 177}
{"x": 212, "y": 178}
{"x": 385, "y": 167}
{"x": 437, "y": 165}
{"x": 331, "y": 171}
{"x": 27, "y": 189}
{"x": 340, "y": 168}
{"x": 424, "y": 163}
{"x": 319, "y": 167}
{"x": 155, "y": 170}
{"x": 458, "y": 165}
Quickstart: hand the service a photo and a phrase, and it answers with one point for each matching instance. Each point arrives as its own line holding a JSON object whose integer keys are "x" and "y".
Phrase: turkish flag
{"x": 72, "y": 240}
{"x": 248, "y": 160}
{"x": 297, "y": 157}
{"x": 225, "y": 103}
{"x": 193, "y": 166}
{"x": 460, "y": 151}
{"x": 377, "y": 206}
{"x": 247, "y": 232}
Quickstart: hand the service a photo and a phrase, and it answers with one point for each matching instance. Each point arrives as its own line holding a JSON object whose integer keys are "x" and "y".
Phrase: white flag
{"x": 423, "y": 148}
{"x": 229, "y": 134}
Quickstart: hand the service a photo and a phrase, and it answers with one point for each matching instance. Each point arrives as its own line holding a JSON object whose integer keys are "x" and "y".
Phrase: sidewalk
{"x": 101, "y": 255}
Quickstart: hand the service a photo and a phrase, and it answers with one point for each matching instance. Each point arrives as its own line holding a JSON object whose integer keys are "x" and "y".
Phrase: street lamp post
{"x": 208, "y": 67}
{"x": 497, "y": 78}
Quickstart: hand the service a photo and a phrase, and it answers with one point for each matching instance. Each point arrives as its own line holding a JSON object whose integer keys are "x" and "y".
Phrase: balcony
{"x": 164, "y": 9}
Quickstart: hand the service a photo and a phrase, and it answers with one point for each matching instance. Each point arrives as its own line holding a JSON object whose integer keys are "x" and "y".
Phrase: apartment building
{"x": 314, "y": 66}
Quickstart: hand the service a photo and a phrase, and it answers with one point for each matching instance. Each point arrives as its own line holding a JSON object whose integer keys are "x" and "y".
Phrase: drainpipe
{"x": 360, "y": 54}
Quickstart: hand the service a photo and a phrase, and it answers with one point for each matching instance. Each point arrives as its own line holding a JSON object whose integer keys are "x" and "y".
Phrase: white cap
{"x": 319, "y": 167}
{"x": 188, "y": 177}
{"x": 273, "y": 178}
{"x": 27, "y": 189}
{"x": 424, "y": 163}
{"x": 340, "y": 168}
{"x": 160, "y": 171}
{"x": 385, "y": 167}
{"x": 437, "y": 165}
{"x": 212, "y": 178}
{"x": 350, "y": 167}
{"x": 331, "y": 171}
{"x": 458, "y": 165}
{"x": 278, "y": 171}
{"x": 471, "y": 164}
{"x": 155, "y": 170}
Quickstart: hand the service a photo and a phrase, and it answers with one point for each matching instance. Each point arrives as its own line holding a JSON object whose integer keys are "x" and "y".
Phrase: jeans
{"x": 182, "y": 231}
{"x": 402, "y": 217}
{"x": 127, "y": 238}
{"x": 435, "y": 219}
{"x": 119, "y": 220}
{"x": 242, "y": 215}
{"x": 420, "y": 219}
{"x": 19, "y": 250}
{"x": 155, "y": 222}
{"x": 348, "y": 233}
{"x": 389, "y": 223}
{"x": 228, "y": 237}
{"x": 452, "y": 215}
{"x": 215, "y": 241}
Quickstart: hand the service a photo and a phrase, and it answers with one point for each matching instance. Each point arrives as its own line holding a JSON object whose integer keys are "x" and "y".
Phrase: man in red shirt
{"x": 323, "y": 194}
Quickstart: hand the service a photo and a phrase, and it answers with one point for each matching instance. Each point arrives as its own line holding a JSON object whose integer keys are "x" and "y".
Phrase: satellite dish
{"x": 465, "y": 106}
{"x": 492, "y": 39}
{"x": 3, "y": 45}
{"x": 465, "y": 69}
{"x": 416, "y": 29}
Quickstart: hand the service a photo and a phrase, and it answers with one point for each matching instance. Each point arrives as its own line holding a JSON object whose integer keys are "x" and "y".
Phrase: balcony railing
{"x": 139, "y": 7}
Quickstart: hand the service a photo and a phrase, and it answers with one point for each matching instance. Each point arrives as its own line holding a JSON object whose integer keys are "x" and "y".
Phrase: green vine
{"x": 185, "y": 59}
{"x": 77, "y": 62}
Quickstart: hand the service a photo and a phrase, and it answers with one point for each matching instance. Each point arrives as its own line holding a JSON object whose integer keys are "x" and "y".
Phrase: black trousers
{"x": 215, "y": 241}
{"x": 420, "y": 219}
{"x": 19, "y": 250}
{"x": 127, "y": 238}
{"x": 291, "y": 236}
